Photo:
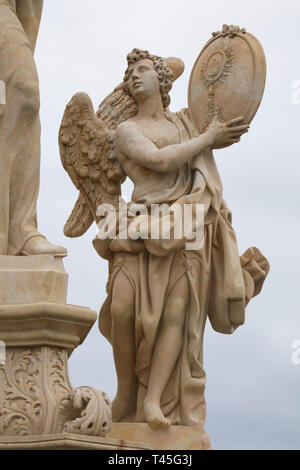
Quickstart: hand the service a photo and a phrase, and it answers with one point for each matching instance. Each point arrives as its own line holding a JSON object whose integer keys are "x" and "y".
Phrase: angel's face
{"x": 143, "y": 80}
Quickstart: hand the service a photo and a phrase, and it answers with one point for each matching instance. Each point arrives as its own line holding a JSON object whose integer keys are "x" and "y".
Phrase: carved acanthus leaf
{"x": 22, "y": 407}
{"x": 95, "y": 418}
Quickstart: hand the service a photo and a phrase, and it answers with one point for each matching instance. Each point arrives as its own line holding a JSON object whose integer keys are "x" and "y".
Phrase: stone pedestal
{"x": 29, "y": 279}
{"x": 38, "y": 406}
{"x": 45, "y": 324}
{"x": 172, "y": 438}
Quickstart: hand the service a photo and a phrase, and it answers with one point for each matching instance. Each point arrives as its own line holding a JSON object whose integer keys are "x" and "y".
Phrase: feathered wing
{"x": 80, "y": 219}
{"x": 86, "y": 143}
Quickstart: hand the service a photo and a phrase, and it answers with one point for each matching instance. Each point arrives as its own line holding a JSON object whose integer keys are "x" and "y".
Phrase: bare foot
{"x": 154, "y": 415}
{"x": 41, "y": 246}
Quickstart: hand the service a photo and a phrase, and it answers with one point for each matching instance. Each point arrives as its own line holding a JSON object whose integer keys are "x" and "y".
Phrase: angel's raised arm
{"x": 134, "y": 145}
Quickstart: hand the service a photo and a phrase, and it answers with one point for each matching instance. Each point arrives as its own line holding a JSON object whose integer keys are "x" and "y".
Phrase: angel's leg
{"x": 123, "y": 342}
{"x": 168, "y": 347}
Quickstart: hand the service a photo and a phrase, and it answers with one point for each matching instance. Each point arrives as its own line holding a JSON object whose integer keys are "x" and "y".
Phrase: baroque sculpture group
{"x": 160, "y": 291}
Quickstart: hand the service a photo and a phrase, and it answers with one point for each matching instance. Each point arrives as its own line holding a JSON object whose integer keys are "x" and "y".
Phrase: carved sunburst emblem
{"x": 217, "y": 67}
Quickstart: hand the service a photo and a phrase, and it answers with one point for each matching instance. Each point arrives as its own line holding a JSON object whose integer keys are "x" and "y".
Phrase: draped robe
{"x": 219, "y": 284}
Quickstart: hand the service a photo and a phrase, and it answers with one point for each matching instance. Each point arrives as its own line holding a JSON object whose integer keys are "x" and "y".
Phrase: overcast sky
{"x": 253, "y": 388}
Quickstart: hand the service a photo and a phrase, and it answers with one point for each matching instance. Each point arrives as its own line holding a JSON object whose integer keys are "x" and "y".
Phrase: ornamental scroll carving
{"x": 95, "y": 417}
{"x": 36, "y": 396}
{"x": 22, "y": 406}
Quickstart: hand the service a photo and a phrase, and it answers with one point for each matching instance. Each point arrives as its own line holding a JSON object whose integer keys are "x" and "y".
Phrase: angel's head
{"x": 148, "y": 74}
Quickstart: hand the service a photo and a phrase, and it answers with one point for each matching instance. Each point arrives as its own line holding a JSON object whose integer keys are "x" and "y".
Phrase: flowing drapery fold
{"x": 217, "y": 283}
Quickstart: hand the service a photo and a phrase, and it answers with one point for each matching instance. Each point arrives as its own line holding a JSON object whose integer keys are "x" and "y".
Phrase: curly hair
{"x": 164, "y": 73}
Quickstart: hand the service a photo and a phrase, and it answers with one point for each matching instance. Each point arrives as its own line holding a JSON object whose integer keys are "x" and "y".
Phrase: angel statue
{"x": 159, "y": 293}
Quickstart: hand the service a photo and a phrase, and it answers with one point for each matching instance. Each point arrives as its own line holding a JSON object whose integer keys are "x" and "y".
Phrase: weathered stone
{"x": 162, "y": 287}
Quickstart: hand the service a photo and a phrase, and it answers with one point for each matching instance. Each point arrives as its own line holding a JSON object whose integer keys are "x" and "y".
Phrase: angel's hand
{"x": 221, "y": 134}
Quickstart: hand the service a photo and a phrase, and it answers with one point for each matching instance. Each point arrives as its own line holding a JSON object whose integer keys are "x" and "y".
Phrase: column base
{"x": 38, "y": 332}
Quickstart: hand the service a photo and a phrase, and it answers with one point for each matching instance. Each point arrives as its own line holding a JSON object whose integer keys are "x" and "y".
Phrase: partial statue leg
{"x": 123, "y": 342}
{"x": 167, "y": 349}
{"x": 19, "y": 143}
